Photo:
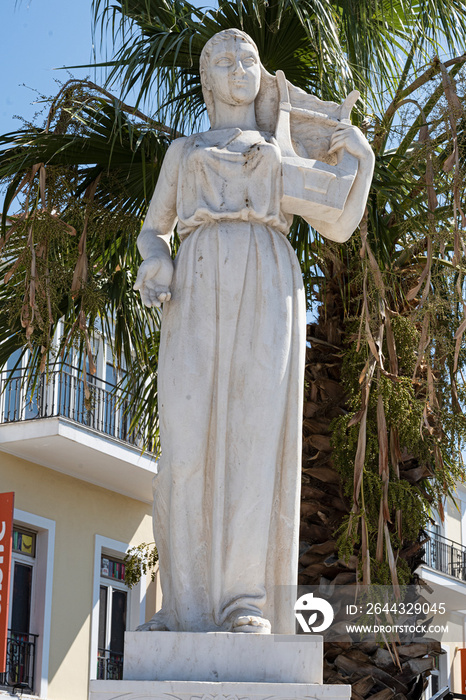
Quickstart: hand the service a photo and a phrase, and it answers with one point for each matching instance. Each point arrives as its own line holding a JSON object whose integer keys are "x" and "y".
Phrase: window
{"x": 113, "y": 600}
{"x": 21, "y": 642}
{"x": 24, "y": 397}
{"x": 30, "y": 603}
{"x": 24, "y": 542}
{"x": 115, "y": 608}
{"x": 435, "y": 677}
{"x": 111, "y": 380}
{"x": 12, "y": 395}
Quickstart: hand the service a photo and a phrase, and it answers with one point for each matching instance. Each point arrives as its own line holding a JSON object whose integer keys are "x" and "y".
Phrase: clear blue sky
{"x": 36, "y": 37}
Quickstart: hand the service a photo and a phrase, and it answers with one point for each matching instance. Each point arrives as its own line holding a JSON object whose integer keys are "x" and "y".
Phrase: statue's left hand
{"x": 351, "y": 139}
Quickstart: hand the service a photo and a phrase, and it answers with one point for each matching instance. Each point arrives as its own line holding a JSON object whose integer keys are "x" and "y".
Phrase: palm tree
{"x": 380, "y": 425}
{"x": 382, "y": 408}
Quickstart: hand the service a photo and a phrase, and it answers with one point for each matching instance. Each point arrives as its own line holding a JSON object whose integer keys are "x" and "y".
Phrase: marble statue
{"x": 232, "y": 350}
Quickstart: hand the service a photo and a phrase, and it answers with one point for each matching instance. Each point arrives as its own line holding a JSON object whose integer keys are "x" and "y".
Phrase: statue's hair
{"x": 204, "y": 64}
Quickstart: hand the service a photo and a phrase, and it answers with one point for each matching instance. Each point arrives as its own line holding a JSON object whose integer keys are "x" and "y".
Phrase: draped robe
{"x": 230, "y": 387}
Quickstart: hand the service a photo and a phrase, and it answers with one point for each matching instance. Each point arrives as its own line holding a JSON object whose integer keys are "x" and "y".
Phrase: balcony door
{"x": 23, "y": 397}
{"x": 21, "y": 644}
{"x": 113, "y": 608}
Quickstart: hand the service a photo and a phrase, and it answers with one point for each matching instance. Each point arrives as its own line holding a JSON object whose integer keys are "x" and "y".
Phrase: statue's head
{"x": 217, "y": 57}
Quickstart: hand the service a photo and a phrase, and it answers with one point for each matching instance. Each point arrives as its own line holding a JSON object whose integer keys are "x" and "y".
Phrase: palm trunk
{"x": 368, "y": 667}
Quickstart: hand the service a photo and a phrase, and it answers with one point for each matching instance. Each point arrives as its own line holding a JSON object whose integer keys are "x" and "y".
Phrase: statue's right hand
{"x": 154, "y": 279}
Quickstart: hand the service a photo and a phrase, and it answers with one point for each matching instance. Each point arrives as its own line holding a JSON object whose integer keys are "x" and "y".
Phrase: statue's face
{"x": 233, "y": 73}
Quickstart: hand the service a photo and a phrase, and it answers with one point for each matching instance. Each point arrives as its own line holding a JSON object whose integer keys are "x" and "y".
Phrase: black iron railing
{"x": 109, "y": 665}
{"x": 63, "y": 393}
{"x": 20, "y": 661}
{"x": 446, "y": 556}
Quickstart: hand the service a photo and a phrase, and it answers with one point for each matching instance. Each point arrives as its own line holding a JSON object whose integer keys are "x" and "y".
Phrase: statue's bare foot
{"x": 155, "y": 624}
{"x": 251, "y": 623}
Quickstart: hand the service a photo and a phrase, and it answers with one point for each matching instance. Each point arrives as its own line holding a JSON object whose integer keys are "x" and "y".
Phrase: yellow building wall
{"x": 80, "y": 511}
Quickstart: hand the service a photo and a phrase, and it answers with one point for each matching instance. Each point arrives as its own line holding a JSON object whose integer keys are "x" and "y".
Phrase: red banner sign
{"x": 462, "y": 689}
{"x": 6, "y": 532}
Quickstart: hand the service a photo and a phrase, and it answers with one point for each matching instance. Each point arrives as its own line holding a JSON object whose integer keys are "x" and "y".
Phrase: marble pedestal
{"x": 220, "y": 666}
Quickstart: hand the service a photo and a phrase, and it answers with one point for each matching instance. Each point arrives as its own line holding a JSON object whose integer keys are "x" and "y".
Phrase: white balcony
{"x": 57, "y": 430}
{"x": 444, "y": 571}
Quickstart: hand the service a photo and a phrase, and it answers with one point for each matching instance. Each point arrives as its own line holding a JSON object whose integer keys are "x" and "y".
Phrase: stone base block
{"x": 191, "y": 690}
{"x": 223, "y": 656}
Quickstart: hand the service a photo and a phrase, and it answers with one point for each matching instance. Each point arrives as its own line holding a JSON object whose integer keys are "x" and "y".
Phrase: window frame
{"x": 112, "y": 584}
{"x": 18, "y": 558}
{"x": 136, "y": 600}
{"x": 41, "y": 591}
